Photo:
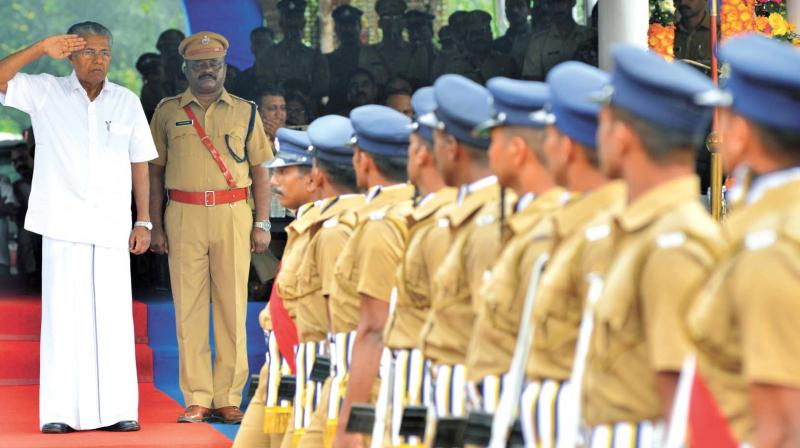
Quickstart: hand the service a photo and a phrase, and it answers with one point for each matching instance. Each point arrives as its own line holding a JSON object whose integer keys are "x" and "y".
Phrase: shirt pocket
{"x": 451, "y": 282}
{"x": 184, "y": 143}
{"x": 235, "y": 145}
{"x": 118, "y": 138}
{"x": 618, "y": 326}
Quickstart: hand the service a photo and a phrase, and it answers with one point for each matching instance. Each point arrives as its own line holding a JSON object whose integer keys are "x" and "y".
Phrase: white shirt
{"x": 81, "y": 188}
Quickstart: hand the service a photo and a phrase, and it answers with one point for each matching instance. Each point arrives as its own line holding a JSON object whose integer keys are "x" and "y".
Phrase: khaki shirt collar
{"x": 306, "y": 216}
{"x": 770, "y": 203}
{"x": 437, "y": 200}
{"x": 187, "y": 97}
{"x": 704, "y": 24}
{"x": 524, "y": 219}
{"x": 576, "y": 214}
{"x": 386, "y": 195}
{"x": 473, "y": 201}
{"x": 332, "y": 206}
{"x": 762, "y": 184}
{"x": 655, "y": 202}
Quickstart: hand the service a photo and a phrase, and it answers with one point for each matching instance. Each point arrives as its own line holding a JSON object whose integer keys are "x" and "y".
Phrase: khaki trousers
{"x": 209, "y": 262}
{"x": 251, "y": 433}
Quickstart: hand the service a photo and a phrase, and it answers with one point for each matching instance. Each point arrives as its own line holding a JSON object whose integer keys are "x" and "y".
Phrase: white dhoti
{"x": 88, "y": 361}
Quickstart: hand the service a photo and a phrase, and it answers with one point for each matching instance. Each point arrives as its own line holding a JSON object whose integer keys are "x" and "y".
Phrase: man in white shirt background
{"x": 93, "y": 145}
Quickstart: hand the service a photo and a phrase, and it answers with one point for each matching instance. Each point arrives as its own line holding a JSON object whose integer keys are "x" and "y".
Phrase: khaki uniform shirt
{"x": 745, "y": 323}
{"x": 550, "y": 47}
{"x": 475, "y": 243}
{"x": 427, "y": 245}
{"x": 189, "y": 165}
{"x": 577, "y": 231}
{"x": 665, "y": 246}
{"x": 294, "y": 61}
{"x": 288, "y": 281}
{"x": 694, "y": 45}
{"x": 502, "y": 296}
{"x": 368, "y": 262}
{"x": 408, "y": 60}
{"x": 328, "y": 236}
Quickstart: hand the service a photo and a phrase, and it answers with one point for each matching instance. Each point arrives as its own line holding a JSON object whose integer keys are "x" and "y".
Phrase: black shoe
{"x": 123, "y": 426}
{"x": 56, "y": 428}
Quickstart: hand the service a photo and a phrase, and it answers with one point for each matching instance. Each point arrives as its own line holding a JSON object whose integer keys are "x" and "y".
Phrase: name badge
{"x": 184, "y": 123}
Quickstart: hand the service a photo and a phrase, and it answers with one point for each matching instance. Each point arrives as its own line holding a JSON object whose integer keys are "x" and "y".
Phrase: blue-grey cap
{"x": 292, "y": 149}
{"x": 461, "y": 105}
{"x": 572, "y": 85}
{"x": 381, "y": 130}
{"x": 423, "y": 102}
{"x": 331, "y": 139}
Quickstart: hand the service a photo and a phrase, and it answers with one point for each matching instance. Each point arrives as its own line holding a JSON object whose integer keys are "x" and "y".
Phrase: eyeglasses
{"x": 91, "y": 54}
{"x": 213, "y": 64}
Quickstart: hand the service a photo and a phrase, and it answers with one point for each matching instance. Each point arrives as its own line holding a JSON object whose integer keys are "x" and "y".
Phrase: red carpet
{"x": 20, "y": 319}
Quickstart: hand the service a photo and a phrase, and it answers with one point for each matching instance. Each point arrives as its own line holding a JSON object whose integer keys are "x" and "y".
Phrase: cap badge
{"x": 205, "y": 40}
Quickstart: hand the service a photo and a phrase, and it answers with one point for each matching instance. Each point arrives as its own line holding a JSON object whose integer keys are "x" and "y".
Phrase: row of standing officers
{"x": 419, "y": 247}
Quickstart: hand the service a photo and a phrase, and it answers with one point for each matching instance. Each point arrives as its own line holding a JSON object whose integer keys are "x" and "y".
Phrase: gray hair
{"x": 91, "y": 29}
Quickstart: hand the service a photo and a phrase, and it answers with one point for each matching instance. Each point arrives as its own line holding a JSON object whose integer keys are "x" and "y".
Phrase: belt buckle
{"x": 210, "y": 198}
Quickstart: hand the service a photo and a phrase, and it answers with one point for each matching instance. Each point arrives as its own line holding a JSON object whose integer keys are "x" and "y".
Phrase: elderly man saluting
{"x": 93, "y": 142}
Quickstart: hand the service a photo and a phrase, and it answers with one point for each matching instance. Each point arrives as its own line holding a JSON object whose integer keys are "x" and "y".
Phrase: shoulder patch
{"x": 760, "y": 239}
{"x": 670, "y": 239}
{"x": 597, "y": 233}
{"x": 485, "y": 220}
{"x": 330, "y": 223}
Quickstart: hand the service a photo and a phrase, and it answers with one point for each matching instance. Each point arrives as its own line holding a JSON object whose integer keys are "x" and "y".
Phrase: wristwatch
{"x": 146, "y": 224}
{"x": 264, "y": 225}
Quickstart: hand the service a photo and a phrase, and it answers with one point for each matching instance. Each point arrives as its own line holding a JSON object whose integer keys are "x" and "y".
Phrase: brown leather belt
{"x": 209, "y": 198}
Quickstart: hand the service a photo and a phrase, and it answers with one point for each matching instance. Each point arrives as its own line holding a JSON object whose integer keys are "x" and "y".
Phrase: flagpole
{"x": 713, "y": 139}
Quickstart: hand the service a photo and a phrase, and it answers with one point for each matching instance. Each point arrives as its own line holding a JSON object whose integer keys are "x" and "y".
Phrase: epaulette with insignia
{"x": 240, "y": 98}
{"x": 169, "y": 98}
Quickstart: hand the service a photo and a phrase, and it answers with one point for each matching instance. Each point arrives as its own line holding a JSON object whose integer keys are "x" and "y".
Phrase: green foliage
{"x": 135, "y": 25}
{"x": 768, "y": 7}
{"x": 662, "y": 11}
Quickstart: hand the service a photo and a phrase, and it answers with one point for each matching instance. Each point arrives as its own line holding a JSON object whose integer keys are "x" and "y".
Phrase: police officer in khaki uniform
{"x": 664, "y": 245}
{"x": 292, "y": 183}
{"x": 290, "y": 59}
{"x": 424, "y": 251}
{"x": 331, "y": 140}
{"x": 560, "y": 40}
{"x": 745, "y": 322}
{"x": 210, "y": 230}
{"x": 517, "y": 159}
{"x": 393, "y": 56}
{"x": 461, "y": 158}
{"x": 478, "y": 61}
{"x": 366, "y": 267}
{"x": 571, "y": 150}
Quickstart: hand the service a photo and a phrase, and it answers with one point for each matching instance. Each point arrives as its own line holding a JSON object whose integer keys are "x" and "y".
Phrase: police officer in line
{"x": 462, "y": 161}
{"x": 211, "y": 149}
{"x": 344, "y": 60}
{"x": 393, "y": 56}
{"x": 570, "y": 147}
{"x": 292, "y": 183}
{"x": 335, "y": 180}
{"x": 517, "y": 158}
{"x": 655, "y": 115}
{"x": 366, "y": 268}
{"x": 477, "y": 60}
{"x": 290, "y": 60}
{"x": 426, "y": 246}
{"x": 744, "y": 322}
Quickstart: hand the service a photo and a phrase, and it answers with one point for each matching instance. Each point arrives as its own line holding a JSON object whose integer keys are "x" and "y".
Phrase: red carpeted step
{"x": 19, "y": 425}
{"x": 21, "y": 363}
{"x": 21, "y": 317}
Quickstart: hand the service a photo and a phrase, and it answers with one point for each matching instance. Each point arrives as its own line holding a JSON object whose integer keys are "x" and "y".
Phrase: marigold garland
{"x": 661, "y": 34}
{"x": 737, "y": 16}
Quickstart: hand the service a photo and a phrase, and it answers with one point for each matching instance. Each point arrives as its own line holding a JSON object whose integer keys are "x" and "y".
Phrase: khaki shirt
{"x": 694, "y": 45}
{"x": 427, "y": 245}
{"x": 577, "y": 235}
{"x": 369, "y": 259}
{"x": 665, "y": 246}
{"x": 288, "y": 281}
{"x": 503, "y": 293}
{"x": 189, "y": 165}
{"x": 745, "y": 323}
{"x": 475, "y": 243}
{"x": 328, "y": 236}
{"x": 551, "y": 46}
